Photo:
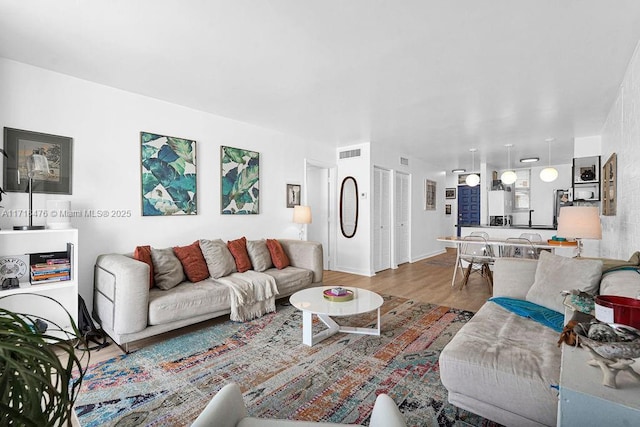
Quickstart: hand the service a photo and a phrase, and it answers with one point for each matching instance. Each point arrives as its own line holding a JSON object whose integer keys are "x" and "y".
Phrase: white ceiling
{"x": 431, "y": 77}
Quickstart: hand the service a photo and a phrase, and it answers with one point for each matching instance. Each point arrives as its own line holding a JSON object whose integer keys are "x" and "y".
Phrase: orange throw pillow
{"x": 238, "y": 249}
{"x": 278, "y": 256}
{"x": 143, "y": 253}
{"x": 192, "y": 260}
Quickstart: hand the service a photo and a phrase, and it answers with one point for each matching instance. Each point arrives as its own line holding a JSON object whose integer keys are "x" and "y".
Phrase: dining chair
{"x": 520, "y": 247}
{"x": 478, "y": 256}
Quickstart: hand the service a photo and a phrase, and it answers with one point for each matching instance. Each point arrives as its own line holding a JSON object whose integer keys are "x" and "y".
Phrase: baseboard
{"x": 429, "y": 255}
{"x": 353, "y": 271}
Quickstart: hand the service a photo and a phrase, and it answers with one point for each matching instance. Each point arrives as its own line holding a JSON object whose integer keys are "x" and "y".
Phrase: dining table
{"x": 499, "y": 244}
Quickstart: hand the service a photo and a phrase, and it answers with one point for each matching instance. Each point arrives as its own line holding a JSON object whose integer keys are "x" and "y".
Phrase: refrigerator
{"x": 560, "y": 198}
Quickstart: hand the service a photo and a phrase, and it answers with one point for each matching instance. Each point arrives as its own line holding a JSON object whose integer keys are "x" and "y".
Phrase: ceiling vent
{"x": 404, "y": 161}
{"x": 350, "y": 153}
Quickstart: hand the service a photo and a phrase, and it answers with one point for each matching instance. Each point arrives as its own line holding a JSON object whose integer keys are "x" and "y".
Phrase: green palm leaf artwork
{"x": 168, "y": 175}
{"x": 240, "y": 181}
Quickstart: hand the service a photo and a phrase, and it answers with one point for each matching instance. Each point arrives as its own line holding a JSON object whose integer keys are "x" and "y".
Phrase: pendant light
{"x": 508, "y": 177}
{"x": 549, "y": 174}
{"x": 472, "y": 179}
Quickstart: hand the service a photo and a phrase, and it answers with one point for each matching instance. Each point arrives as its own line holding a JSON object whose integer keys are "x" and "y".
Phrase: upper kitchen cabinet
{"x": 586, "y": 179}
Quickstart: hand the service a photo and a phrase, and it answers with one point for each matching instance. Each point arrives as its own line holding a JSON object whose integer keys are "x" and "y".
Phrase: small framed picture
{"x": 449, "y": 193}
{"x": 447, "y": 209}
{"x": 429, "y": 195}
{"x": 294, "y": 192}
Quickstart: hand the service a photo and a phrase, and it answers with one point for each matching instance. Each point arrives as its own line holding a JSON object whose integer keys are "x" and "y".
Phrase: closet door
{"x": 381, "y": 220}
{"x": 402, "y": 218}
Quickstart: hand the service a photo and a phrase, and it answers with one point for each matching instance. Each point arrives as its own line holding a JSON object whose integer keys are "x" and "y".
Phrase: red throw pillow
{"x": 238, "y": 249}
{"x": 278, "y": 256}
{"x": 143, "y": 253}
{"x": 192, "y": 260}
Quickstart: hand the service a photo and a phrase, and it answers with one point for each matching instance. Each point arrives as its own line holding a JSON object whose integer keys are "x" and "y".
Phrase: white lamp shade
{"x": 508, "y": 177}
{"x": 37, "y": 165}
{"x": 548, "y": 174}
{"x": 472, "y": 180}
{"x": 302, "y": 214}
{"x": 579, "y": 222}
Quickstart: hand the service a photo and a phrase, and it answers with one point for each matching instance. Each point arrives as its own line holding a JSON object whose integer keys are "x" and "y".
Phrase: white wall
{"x": 621, "y": 135}
{"x": 105, "y": 125}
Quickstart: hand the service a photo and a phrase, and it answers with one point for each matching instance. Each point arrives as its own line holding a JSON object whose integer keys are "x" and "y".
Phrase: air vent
{"x": 350, "y": 153}
{"x": 404, "y": 161}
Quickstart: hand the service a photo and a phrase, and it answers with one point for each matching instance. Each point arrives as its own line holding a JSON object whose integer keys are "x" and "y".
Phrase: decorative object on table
{"x": 294, "y": 192}
{"x": 168, "y": 175}
{"x": 37, "y": 168}
{"x": 618, "y": 309}
{"x": 579, "y": 222}
{"x": 302, "y": 216}
{"x": 588, "y": 173}
{"x": 58, "y": 214}
{"x": 19, "y": 145}
{"x": 582, "y": 302}
{"x": 429, "y": 195}
{"x": 338, "y": 294}
{"x": 39, "y": 386}
{"x": 349, "y": 207}
{"x": 609, "y": 190}
{"x": 240, "y": 181}
{"x": 613, "y": 347}
{"x": 447, "y": 209}
{"x": 449, "y": 193}
{"x": 15, "y": 266}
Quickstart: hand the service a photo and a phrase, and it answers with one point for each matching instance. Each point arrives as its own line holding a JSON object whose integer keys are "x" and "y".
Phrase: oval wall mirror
{"x": 349, "y": 207}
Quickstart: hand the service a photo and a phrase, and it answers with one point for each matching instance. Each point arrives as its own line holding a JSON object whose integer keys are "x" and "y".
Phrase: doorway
{"x": 402, "y": 235}
{"x": 468, "y": 205}
{"x": 381, "y": 219}
{"x": 319, "y": 194}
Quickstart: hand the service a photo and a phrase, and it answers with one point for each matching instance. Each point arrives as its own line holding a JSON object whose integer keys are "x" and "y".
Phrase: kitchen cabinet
{"x": 586, "y": 179}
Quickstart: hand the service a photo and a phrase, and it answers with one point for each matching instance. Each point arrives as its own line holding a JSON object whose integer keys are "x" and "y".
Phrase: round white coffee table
{"x": 311, "y": 301}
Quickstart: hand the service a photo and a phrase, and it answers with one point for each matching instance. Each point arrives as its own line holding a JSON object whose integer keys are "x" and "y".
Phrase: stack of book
{"x": 53, "y": 270}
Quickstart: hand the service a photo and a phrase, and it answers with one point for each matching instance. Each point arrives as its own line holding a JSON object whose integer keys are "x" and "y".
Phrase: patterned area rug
{"x": 336, "y": 380}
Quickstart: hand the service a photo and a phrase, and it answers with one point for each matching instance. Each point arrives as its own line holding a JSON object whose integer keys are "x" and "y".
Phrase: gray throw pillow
{"x": 557, "y": 273}
{"x": 259, "y": 254}
{"x": 167, "y": 268}
{"x": 219, "y": 260}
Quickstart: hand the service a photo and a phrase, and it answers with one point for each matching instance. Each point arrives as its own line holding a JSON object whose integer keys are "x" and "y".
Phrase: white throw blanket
{"x": 252, "y": 294}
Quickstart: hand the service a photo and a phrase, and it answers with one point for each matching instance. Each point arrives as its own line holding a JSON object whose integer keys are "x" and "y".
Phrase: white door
{"x": 318, "y": 197}
{"x": 381, "y": 220}
{"x": 402, "y": 218}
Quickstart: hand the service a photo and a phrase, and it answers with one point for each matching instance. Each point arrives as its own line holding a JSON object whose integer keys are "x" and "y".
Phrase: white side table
{"x": 311, "y": 301}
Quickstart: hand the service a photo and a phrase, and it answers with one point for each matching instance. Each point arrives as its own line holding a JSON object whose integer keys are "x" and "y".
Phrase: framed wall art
{"x": 168, "y": 175}
{"x": 294, "y": 192}
{"x": 609, "y": 196}
{"x": 429, "y": 195}
{"x": 449, "y": 193}
{"x": 20, "y": 144}
{"x": 447, "y": 209}
{"x": 240, "y": 181}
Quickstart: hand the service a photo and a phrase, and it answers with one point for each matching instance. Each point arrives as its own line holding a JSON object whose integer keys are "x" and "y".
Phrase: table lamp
{"x": 302, "y": 215}
{"x": 579, "y": 222}
{"x": 37, "y": 167}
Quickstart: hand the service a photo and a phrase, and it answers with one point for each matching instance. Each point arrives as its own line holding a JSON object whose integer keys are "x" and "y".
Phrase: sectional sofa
{"x": 506, "y": 367}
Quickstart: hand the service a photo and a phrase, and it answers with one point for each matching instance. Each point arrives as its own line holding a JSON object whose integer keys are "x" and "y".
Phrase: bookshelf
{"x": 18, "y": 245}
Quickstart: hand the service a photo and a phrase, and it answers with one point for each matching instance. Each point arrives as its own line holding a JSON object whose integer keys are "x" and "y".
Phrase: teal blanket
{"x": 543, "y": 315}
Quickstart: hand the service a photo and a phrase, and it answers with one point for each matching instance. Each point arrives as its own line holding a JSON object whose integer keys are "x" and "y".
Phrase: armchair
{"x": 227, "y": 409}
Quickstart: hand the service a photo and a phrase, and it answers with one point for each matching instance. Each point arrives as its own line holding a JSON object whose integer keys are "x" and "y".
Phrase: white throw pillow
{"x": 557, "y": 273}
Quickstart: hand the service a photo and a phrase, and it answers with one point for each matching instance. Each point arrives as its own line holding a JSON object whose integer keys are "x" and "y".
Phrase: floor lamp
{"x": 302, "y": 215}
{"x": 579, "y": 222}
{"x": 37, "y": 167}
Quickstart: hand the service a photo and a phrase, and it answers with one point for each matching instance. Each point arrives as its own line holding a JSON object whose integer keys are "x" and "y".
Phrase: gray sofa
{"x": 128, "y": 310}
{"x": 505, "y": 367}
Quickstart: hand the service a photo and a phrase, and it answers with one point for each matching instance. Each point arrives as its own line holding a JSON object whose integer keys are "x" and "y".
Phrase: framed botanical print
{"x": 429, "y": 195}
{"x": 240, "y": 181}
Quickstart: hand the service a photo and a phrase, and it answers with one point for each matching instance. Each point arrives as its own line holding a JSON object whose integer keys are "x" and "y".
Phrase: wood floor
{"x": 426, "y": 281}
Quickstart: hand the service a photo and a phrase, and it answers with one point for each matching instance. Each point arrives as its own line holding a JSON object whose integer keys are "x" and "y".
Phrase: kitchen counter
{"x": 511, "y": 227}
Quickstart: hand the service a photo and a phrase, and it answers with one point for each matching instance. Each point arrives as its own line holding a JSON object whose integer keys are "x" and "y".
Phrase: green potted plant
{"x": 40, "y": 373}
